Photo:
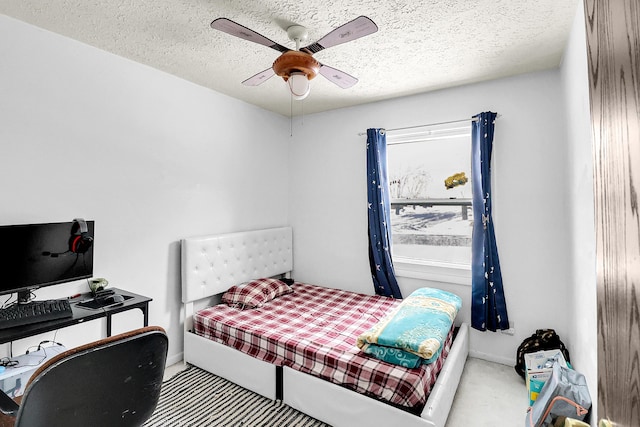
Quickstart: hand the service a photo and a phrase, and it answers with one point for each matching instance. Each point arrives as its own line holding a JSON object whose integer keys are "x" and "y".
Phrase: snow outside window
{"x": 429, "y": 172}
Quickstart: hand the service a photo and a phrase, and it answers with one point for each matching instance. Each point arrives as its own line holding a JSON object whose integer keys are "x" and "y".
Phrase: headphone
{"x": 80, "y": 240}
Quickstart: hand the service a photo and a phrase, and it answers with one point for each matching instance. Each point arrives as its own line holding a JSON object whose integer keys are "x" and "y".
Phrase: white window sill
{"x": 434, "y": 271}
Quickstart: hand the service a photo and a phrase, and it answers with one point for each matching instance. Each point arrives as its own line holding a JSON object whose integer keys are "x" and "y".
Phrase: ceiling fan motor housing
{"x": 294, "y": 60}
{"x": 298, "y": 34}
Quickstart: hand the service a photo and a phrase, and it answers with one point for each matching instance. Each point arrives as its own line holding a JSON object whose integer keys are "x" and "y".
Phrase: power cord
{"x": 40, "y": 346}
{"x": 4, "y": 304}
{"x": 44, "y": 351}
{"x": 7, "y": 362}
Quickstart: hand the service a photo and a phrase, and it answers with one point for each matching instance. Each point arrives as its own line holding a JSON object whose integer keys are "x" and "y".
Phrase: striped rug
{"x": 197, "y": 398}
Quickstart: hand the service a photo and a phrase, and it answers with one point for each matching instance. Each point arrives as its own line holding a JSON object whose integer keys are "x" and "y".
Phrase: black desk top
{"x": 80, "y": 315}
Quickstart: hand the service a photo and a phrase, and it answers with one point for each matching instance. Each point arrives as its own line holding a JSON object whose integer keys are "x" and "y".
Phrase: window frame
{"x": 416, "y": 268}
{"x": 435, "y": 271}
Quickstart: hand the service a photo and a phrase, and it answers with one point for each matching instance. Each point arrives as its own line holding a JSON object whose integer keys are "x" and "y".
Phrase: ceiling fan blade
{"x": 340, "y": 78}
{"x": 259, "y": 78}
{"x": 359, "y": 27}
{"x": 228, "y": 26}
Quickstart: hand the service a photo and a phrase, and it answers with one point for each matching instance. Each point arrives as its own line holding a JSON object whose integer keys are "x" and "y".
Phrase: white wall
{"x": 151, "y": 158}
{"x": 583, "y": 339}
{"x": 328, "y": 197}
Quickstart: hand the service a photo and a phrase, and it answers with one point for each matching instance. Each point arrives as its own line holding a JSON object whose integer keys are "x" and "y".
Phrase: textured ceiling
{"x": 420, "y": 45}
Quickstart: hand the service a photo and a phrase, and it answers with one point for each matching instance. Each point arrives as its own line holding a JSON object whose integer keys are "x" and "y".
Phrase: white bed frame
{"x": 212, "y": 264}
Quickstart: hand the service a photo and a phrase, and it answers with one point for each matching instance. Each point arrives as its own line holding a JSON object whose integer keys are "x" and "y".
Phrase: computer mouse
{"x": 113, "y": 299}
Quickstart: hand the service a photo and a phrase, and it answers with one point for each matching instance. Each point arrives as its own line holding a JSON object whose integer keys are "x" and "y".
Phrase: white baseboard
{"x": 492, "y": 358}
{"x": 172, "y": 360}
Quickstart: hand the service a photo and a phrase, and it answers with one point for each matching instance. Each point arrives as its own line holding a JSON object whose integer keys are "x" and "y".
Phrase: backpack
{"x": 543, "y": 339}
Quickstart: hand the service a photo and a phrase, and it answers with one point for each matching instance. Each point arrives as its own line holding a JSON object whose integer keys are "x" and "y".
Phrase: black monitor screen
{"x": 37, "y": 255}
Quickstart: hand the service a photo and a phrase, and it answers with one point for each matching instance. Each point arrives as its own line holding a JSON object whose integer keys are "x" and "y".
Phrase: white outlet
{"x": 511, "y": 331}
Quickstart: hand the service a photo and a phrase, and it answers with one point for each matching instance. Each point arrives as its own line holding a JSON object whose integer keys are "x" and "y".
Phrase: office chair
{"x": 111, "y": 382}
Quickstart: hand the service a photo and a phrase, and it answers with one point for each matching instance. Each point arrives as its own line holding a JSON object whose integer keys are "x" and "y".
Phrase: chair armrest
{"x": 7, "y": 405}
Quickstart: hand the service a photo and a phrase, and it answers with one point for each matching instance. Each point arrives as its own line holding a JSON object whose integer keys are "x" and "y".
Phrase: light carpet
{"x": 197, "y": 398}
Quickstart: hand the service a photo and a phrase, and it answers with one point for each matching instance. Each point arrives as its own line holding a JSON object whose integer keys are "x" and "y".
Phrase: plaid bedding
{"x": 314, "y": 330}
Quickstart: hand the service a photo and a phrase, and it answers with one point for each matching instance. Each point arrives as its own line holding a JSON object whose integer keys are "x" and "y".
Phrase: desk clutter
{"x": 558, "y": 395}
{"x": 104, "y": 298}
{"x": 18, "y": 370}
{"x": 21, "y": 314}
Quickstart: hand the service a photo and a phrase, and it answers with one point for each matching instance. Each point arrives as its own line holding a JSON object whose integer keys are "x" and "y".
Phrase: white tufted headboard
{"x": 212, "y": 264}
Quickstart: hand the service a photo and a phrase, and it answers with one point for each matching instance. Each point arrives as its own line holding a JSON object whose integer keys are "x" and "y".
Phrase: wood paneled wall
{"x": 613, "y": 51}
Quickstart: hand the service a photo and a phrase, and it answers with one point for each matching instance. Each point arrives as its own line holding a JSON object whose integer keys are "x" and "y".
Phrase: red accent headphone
{"x": 80, "y": 240}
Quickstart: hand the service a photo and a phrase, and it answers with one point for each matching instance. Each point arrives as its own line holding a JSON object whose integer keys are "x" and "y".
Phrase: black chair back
{"x": 112, "y": 382}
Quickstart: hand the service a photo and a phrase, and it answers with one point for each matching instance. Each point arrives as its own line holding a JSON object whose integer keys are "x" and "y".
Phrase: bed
{"x": 212, "y": 264}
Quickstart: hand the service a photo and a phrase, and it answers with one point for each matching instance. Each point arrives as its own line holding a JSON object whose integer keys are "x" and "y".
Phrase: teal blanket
{"x": 415, "y": 331}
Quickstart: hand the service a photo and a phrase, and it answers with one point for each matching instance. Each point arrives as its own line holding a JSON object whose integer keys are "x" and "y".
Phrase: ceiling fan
{"x": 299, "y": 66}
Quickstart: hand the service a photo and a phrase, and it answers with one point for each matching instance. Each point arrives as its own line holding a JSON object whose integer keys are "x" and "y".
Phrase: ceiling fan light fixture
{"x": 297, "y": 68}
{"x": 299, "y": 85}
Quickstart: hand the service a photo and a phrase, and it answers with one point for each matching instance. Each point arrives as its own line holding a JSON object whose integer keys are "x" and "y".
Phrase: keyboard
{"x": 34, "y": 312}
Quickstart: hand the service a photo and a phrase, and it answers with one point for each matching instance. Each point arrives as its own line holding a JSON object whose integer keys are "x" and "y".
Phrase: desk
{"x": 80, "y": 315}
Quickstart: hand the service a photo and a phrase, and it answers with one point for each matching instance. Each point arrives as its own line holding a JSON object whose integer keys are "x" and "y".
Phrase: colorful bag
{"x": 564, "y": 394}
{"x": 543, "y": 339}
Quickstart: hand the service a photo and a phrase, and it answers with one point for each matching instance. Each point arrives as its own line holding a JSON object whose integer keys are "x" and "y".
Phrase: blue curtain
{"x": 488, "y": 306}
{"x": 384, "y": 280}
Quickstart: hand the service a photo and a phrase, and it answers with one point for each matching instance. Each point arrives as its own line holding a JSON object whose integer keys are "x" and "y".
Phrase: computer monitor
{"x": 37, "y": 255}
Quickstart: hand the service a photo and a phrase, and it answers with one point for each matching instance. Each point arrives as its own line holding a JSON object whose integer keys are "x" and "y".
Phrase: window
{"x": 429, "y": 172}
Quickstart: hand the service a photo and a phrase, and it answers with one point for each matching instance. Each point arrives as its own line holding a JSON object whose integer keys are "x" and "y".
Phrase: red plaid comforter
{"x": 314, "y": 330}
